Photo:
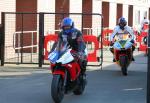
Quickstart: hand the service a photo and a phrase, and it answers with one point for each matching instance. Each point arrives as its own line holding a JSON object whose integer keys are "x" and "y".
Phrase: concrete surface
{"x": 33, "y": 85}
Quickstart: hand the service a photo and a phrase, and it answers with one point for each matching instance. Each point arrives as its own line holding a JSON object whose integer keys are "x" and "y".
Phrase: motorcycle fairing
{"x": 119, "y": 53}
{"x": 73, "y": 68}
{"x": 122, "y": 44}
{"x": 117, "y": 46}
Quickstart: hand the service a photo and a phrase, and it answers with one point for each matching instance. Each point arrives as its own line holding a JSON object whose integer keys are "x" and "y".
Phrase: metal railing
{"x": 19, "y": 22}
{"x": 17, "y": 37}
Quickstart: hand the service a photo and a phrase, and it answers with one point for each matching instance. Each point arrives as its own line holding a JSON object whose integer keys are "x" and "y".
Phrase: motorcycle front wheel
{"x": 123, "y": 63}
{"x": 57, "y": 90}
{"x": 80, "y": 88}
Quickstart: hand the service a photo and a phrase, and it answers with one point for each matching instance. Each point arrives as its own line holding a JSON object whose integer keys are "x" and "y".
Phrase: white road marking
{"x": 133, "y": 89}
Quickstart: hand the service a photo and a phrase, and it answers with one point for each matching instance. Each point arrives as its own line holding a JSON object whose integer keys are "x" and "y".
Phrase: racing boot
{"x": 114, "y": 60}
{"x": 133, "y": 58}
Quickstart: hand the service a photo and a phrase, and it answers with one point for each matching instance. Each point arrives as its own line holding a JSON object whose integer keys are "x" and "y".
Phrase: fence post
{"x": 82, "y": 23}
{"x": 148, "y": 69}
{"x": 101, "y": 41}
{"x": 41, "y": 39}
{"x": 2, "y": 39}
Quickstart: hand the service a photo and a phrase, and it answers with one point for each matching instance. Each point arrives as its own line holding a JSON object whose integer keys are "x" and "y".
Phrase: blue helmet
{"x": 122, "y": 22}
{"x": 67, "y": 22}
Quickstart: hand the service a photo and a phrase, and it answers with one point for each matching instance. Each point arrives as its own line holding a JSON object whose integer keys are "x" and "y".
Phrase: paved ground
{"x": 32, "y": 85}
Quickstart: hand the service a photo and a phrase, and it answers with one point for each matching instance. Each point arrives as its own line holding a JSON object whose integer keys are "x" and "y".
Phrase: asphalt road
{"x": 104, "y": 86}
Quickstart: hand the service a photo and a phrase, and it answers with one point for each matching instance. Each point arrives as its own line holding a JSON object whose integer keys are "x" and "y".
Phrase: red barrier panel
{"x": 92, "y": 57}
{"x": 106, "y": 36}
{"x": 47, "y": 39}
{"x": 87, "y": 38}
{"x": 142, "y": 46}
{"x": 90, "y": 38}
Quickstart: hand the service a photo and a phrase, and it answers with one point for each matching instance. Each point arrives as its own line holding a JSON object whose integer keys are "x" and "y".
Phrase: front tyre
{"x": 80, "y": 88}
{"x": 123, "y": 63}
{"x": 57, "y": 90}
{"x": 124, "y": 71}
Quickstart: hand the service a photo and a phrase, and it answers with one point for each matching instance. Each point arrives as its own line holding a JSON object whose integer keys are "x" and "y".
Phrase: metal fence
{"x": 22, "y": 34}
{"x": 19, "y": 38}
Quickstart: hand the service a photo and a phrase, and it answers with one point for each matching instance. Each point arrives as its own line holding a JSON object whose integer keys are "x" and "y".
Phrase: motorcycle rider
{"x": 122, "y": 28}
{"x": 75, "y": 41}
{"x": 144, "y": 24}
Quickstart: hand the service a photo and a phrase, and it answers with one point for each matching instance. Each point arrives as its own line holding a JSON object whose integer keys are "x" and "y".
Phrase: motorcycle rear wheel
{"x": 57, "y": 90}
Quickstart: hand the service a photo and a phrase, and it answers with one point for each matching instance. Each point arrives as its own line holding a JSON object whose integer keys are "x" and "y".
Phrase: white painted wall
{"x": 49, "y": 21}
{"x": 76, "y": 7}
{"x": 1, "y": 9}
{"x": 135, "y": 9}
{"x": 145, "y": 3}
{"x": 96, "y": 20}
{"x": 141, "y": 5}
{"x": 46, "y": 6}
{"x": 8, "y": 6}
{"x": 112, "y": 15}
{"x": 142, "y": 14}
{"x": 125, "y": 11}
{"x": 143, "y": 10}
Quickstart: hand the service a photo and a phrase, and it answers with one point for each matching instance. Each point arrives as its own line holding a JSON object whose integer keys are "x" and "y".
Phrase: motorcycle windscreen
{"x": 122, "y": 41}
{"x": 86, "y": 51}
{"x": 117, "y": 46}
{"x": 53, "y": 57}
{"x": 128, "y": 45}
{"x": 60, "y": 50}
{"x": 66, "y": 57}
